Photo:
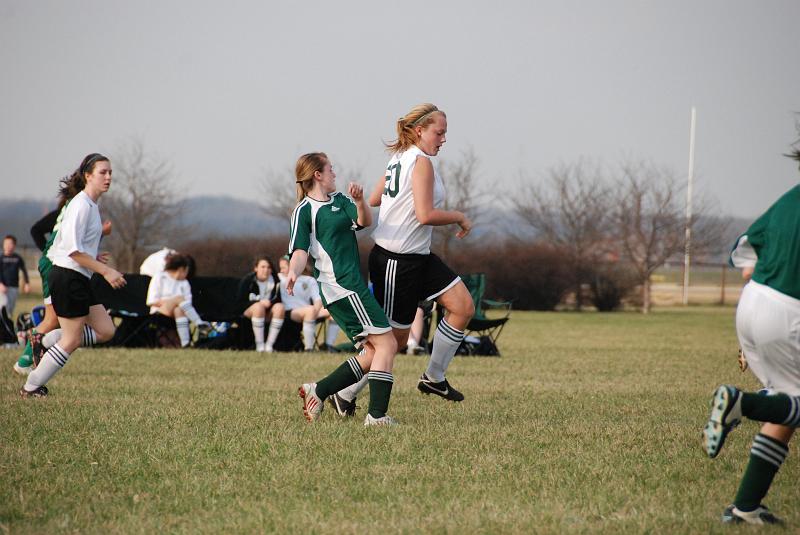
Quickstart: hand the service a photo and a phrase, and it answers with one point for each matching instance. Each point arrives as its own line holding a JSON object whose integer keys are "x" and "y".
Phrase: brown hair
{"x": 420, "y": 115}
{"x": 307, "y": 165}
{"x": 75, "y": 183}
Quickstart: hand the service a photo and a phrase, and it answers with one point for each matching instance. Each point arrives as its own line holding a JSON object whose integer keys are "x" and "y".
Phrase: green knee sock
{"x": 380, "y": 390}
{"x": 346, "y": 374}
{"x": 766, "y": 457}
{"x": 774, "y": 408}
{"x": 26, "y": 359}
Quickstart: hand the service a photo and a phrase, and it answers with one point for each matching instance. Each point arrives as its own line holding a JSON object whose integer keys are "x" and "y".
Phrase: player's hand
{"x": 104, "y": 257}
{"x": 356, "y": 191}
{"x": 114, "y": 278}
{"x": 106, "y": 227}
{"x": 266, "y": 303}
{"x": 466, "y": 227}
{"x": 742, "y": 361}
{"x": 291, "y": 278}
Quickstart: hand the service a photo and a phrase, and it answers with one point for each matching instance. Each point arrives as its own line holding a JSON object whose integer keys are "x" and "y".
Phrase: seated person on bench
{"x": 305, "y": 307}
{"x": 170, "y": 294}
{"x": 261, "y": 289}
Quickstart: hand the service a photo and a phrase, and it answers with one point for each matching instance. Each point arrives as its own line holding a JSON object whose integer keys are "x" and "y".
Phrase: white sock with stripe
{"x": 182, "y": 326}
{"x": 258, "y": 331}
{"x": 309, "y": 334}
{"x": 52, "y": 338}
{"x": 445, "y": 344}
{"x": 51, "y": 363}
{"x": 88, "y": 337}
{"x": 769, "y": 449}
{"x": 351, "y": 392}
{"x": 274, "y": 328}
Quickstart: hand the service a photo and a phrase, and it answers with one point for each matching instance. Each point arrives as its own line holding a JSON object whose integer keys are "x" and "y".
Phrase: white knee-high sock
{"x": 51, "y": 363}
{"x": 351, "y": 392}
{"x": 52, "y": 338}
{"x": 88, "y": 337}
{"x": 333, "y": 332}
{"x": 191, "y": 313}
{"x": 309, "y": 334}
{"x": 258, "y": 331}
{"x": 445, "y": 344}
{"x": 274, "y": 328}
{"x": 182, "y": 326}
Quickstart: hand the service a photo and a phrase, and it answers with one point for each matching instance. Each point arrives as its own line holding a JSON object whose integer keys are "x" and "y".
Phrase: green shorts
{"x": 44, "y": 270}
{"x": 359, "y": 315}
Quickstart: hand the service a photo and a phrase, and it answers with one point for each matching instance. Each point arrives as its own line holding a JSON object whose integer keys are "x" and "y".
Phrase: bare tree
{"x": 573, "y": 212}
{"x": 464, "y": 194}
{"x": 143, "y": 205}
{"x": 650, "y": 221}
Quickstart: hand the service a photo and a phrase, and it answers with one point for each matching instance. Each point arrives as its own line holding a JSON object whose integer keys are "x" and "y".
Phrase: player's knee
{"x": 105, "y": 333}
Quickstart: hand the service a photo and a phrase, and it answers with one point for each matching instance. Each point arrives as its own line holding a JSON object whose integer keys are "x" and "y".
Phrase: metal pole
{"x": 687, "y": 257}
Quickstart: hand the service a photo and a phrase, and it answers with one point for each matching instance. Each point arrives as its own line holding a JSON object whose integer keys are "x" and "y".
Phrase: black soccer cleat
{"x": 342, "y": 407}
{"x": 443, "y": 389}
{"x": 40, "y": 392}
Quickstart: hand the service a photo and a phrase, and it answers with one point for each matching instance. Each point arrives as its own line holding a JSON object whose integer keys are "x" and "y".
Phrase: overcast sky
{"x": 229, "y": 90}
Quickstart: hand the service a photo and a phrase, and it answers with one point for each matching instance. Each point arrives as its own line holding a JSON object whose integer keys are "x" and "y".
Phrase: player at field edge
{"x": 402, "y": 268}
{"x": 69, "y": 186}
{"x": 767, "y": 319}
{"x": 323, "y": 226}
{"x": 75, "y": 257}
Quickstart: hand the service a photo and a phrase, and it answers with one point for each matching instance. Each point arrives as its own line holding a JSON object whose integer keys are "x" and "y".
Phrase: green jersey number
{"x": 392, "y": 180}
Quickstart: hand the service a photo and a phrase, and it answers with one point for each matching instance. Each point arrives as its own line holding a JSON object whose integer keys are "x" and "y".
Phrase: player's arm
{"x": 296, "y": 266}
{"x": 114, "y": 277}
{"x": 422, "y": 187}
{"x": 41, "y": 228}
{"x": 356, "y": 192}
{"x": 377, "y": 192}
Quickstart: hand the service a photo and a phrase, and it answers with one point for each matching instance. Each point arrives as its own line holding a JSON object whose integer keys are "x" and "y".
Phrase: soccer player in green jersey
{"x": 323, "y": 226}
{"x": 767, "y": 321}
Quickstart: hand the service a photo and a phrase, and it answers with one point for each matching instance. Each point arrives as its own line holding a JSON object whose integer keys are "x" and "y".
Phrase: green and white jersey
{"x": 44, "y": 261}
{"x": 772, "y": 244}
{"x": 326, "y": 230}
{"x": 398, "y": 229}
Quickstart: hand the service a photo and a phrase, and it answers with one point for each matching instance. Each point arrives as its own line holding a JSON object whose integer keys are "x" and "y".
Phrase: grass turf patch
{"x": 588, "y": 423}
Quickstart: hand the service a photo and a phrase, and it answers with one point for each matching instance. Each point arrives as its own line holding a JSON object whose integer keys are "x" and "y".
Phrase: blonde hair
{"x": 420, "y": 115}
{"x": 307, "y": 165}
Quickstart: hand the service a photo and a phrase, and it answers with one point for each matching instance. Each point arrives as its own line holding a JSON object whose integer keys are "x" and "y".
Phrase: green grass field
{"x": 589, "y": 423}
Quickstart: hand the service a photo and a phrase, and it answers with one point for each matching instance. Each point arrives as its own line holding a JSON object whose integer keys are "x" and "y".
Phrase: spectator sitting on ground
{"x": 305, "y": 307}
{"x": 170, "y": 294}
{"x": 261, "y": 291}
{"x": 10, "y": 266}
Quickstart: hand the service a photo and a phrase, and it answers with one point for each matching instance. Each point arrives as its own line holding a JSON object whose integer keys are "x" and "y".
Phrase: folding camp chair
{"x": 480, "y": 326}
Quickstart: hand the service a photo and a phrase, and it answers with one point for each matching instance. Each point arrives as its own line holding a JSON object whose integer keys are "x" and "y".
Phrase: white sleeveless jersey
{"x": 398, "y": 230}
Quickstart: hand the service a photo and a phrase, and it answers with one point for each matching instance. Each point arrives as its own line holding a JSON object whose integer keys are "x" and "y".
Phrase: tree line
{"x": 593, "y": 232}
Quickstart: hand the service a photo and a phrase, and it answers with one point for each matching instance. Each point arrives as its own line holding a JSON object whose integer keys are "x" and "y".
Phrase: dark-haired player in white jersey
{"x": 402, "y": 268}
{"x": 767, "y": 324}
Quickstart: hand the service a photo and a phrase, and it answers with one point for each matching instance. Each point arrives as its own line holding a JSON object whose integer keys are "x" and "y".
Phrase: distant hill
{"x": 229, "y": 217}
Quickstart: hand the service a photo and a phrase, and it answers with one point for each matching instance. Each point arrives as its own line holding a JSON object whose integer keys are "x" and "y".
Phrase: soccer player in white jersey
{"x": 261, "y": 290}
{"x": 402, "y": 268}
{"x": 767, "y": 321}
{"x": 323, "y": 226}
{"x": 74, "y": 255}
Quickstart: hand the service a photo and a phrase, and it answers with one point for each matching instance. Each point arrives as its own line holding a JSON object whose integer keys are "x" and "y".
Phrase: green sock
{"x": 26, "y": 359}
{"x": 773, "y": 408}
{"x": 346, "y": 374}
{"x": 766, "y": 457}
{"x": 380, "y": 390}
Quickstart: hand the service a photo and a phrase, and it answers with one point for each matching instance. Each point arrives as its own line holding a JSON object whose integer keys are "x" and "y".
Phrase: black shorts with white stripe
{"x": 401, "y": 281}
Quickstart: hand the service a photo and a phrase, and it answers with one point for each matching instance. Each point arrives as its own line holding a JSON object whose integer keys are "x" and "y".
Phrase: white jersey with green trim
{"x": 326, "y": 230}
{"x": 398, "y": 229}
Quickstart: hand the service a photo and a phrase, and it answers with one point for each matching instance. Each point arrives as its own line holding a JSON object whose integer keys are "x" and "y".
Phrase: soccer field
{"x": 589, "y": 423}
